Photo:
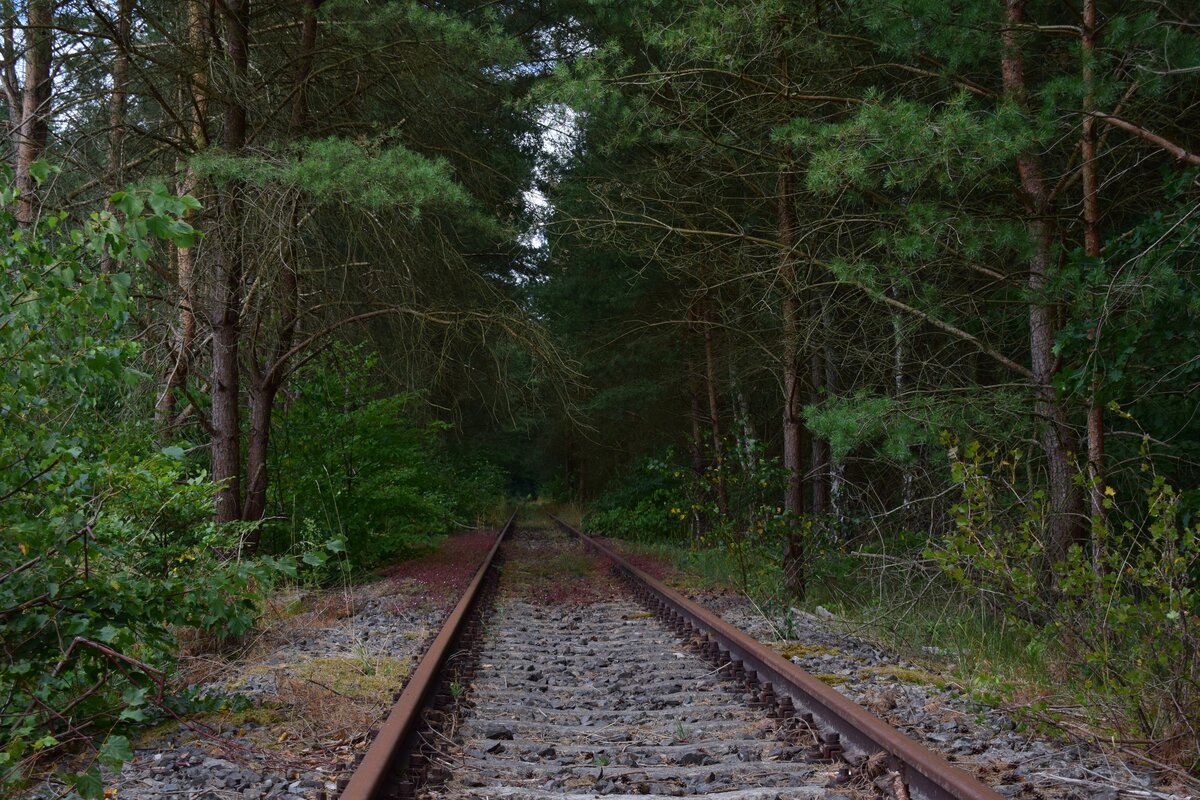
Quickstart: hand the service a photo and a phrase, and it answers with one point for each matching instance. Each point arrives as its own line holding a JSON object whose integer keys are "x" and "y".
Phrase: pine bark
{"x": 117, "y": 102}
{"x": 744, "y": 426}
{"x": 196, "y": 98}
{"x": 227, "y": 286}
{"x": 714, "y": 409}
{"x": 33, "y": 131}
{"x": 819, "y": 446}
{"x": 795, "y": 567}
{"x": 1056, "y": 435}
{"x": 268, "y": 382}
{"x": 1092, "y": 244}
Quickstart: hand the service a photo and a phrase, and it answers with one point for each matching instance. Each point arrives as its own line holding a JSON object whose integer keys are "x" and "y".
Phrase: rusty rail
{"x": 375, "y": 776}
{"x": 925, "y": 774}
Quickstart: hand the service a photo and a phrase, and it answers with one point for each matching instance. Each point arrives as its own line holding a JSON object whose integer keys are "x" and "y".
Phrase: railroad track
{"x": 565, "y": 673}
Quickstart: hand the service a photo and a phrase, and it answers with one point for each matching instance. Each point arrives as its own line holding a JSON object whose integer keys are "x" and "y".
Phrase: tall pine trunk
{"x": 33, "y": 131}
{"x": 117, "y": 106}
{"x": 1092, "y": 248}
{"x": 268, "y": 382}
{"x": 795, "y": 567}
{"x": 819, "y": 446}
{"x": 227, "y": 286}
{"x": 714, "y": 409}
{"x": 196, "y": 99}
{"x": 1057, "y": 439}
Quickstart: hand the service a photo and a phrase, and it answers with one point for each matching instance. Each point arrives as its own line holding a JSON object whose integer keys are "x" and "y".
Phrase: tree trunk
{"x": 1092, "y": 248}
{"x": 227, "y": 288}
{"x": 33, "y": 132}
{"x": 819, "y": 447}
{"x": 8, "y": 73}
{"x": 308, "y": 39}
{"x": 744, "y": 426}
{"x": 268, "y": 383}
{"x": 794, "y": 564}
{"x": 117, "y": 107}
{"x": 714, "y": 409}
{"x": 117, "y": 100}
{"x": 699, "y": 464}
{"x": 836, "y": 468}
{"x": 185, "y": 257}
{"x": 900, "y": 385}
{"x": 262, "y": 407}
{"x": 1065, "y": 502}
{"x": 226, "y": 388}
{"x": 262, "y": 398}
{"x": 697, "y": 415}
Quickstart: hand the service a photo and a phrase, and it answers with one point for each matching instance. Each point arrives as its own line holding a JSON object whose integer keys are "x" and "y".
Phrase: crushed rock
{"x": 929, "y": 707}
{"x": 278, "y": 750}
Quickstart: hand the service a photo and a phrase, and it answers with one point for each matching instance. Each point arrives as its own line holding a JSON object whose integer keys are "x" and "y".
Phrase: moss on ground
{"x": 791, "y": 650}
{"x": 358, "y": 678}
{"x": 905, "y": 674}
{"x": 831, "y": 679}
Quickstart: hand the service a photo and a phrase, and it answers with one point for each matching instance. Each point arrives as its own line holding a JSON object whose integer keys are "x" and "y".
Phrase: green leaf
{"x": 314, "y": 559}
{"x": 115, "y": 751}
{"x": 39, "y": 171}
{"x": 87, "y": 785}
{"x": 173, "y": 451}
{"x": 134, "y": 696}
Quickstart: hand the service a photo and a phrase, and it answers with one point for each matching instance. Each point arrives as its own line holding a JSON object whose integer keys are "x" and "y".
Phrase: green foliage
{"x": 364, "y": 470}
{"x": 892, "y": 430}
{"x": 645, "y": 504}
{"x": 1121, "y": 612}
{"x": 661, "y": 502}
{"x": 102, "y": 536}
{"x": 330, "y": 171}
{"x": 365, "y": 24}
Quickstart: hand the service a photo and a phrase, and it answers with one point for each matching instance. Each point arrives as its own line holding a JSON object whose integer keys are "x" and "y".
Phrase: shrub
{"x": 1120, "y": 612}
{"x": 103, "y": 539}
{"x": 362, "y": 469}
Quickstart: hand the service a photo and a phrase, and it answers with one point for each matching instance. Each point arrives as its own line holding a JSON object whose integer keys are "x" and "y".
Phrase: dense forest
{"x": 858, "y": 303}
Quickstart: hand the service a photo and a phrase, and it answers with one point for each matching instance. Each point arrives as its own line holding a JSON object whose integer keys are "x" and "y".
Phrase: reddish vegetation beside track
{"x": 443, "y": 574}
{"x": 658, "y": 568}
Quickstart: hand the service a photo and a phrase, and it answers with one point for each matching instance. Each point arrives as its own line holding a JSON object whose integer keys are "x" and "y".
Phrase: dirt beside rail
{"x": 305, "y": 690}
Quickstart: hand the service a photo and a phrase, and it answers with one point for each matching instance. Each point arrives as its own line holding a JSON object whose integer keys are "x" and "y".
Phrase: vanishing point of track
{"x": 636, "y": 692}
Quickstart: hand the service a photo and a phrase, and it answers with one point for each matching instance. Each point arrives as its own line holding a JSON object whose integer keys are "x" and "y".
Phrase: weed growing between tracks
{"x": 556, "y": 571}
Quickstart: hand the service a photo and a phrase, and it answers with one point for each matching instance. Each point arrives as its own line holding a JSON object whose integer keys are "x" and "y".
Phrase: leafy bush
{"x": 103, "y": 535}
{"x": 1120, "y": 612}
{"x": 642, "y": 505}
{"x": 362, "y": 469}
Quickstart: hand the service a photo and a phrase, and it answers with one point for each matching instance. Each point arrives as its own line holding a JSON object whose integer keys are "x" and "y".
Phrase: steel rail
{"x": 374, "y": 777}
{"x": 926, "y": 774}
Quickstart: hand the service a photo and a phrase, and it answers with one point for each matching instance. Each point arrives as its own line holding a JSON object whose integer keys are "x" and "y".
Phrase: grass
{"x": 928, "y": 623}
{"x": 570, "y": 564}
{"x": 359, "y": 678}
{"x": 907, "y": 607}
